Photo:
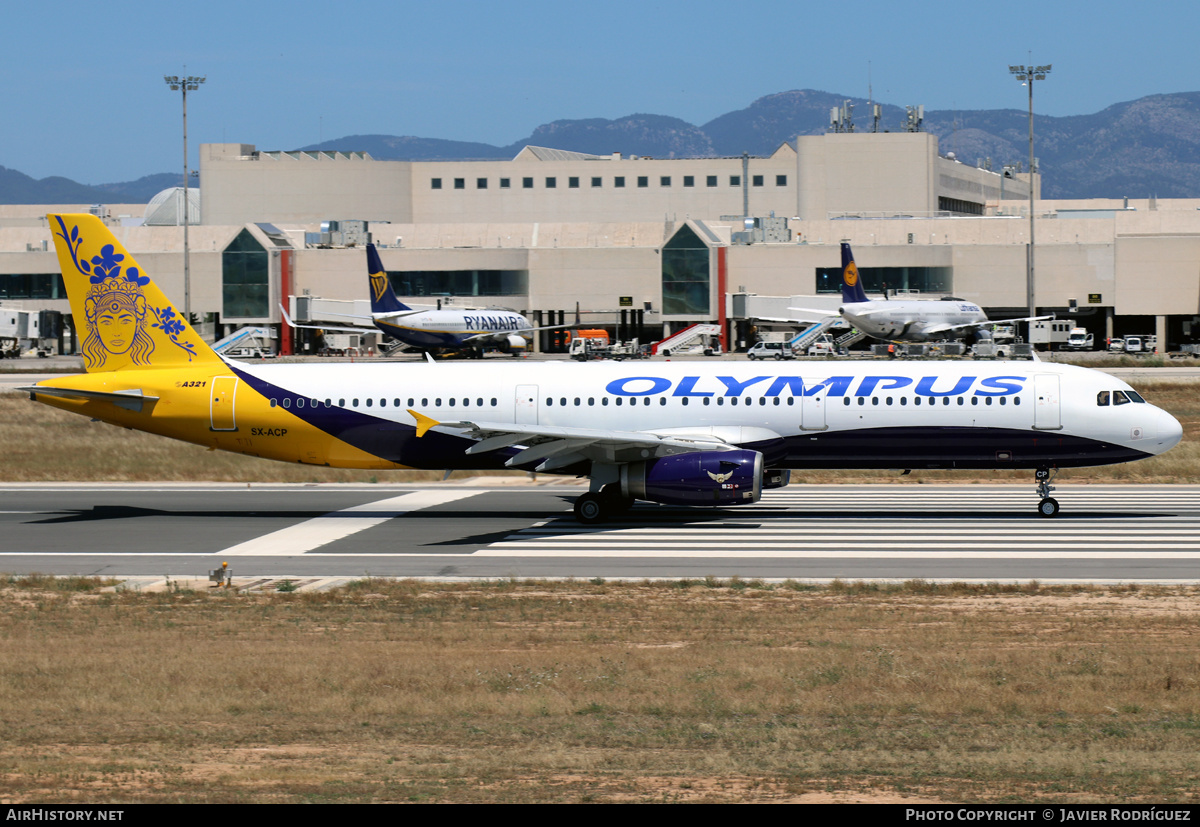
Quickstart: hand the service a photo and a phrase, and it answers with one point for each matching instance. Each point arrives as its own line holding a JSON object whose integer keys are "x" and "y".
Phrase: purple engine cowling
{"x": 702, "y": 478}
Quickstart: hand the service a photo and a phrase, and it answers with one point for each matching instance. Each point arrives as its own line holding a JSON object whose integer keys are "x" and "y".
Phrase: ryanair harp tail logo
{"x": 379, "y": 285}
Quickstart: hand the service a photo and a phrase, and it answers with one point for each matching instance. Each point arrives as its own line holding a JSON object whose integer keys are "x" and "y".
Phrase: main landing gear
{"x": 595, "y": 507}
{"x": 1048, "y": 507}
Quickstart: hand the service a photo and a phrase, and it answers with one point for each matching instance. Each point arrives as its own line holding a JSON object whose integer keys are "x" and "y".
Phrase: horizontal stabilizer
{"x": 131, "y": 400}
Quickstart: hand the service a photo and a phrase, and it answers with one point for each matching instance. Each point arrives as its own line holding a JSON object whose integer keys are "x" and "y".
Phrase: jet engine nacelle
{"x": 701, "y": 478}
{"x": 512, "y": 344}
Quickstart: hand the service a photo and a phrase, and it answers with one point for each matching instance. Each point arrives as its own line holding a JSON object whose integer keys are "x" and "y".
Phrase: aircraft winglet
{"x": 424, "y": 423}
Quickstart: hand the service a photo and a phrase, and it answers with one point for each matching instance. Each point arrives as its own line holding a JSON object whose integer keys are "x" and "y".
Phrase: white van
{"x": 770, "y": 350}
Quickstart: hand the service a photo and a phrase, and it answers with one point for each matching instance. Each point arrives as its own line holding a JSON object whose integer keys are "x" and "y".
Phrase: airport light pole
{"x": 185, "y": 84}
{"x": 1027, "y": 75}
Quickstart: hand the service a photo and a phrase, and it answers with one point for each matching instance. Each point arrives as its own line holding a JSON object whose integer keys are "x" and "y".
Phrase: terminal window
{"x": 436, "y": 184}
{"x": 460, "y": 282}
{"x": 643, "y": 181}
{"x": 460, "y": 183}
{"x": 619, "y": 181}
{"x": 573, "y": 182}
{"x": 875, "y": 280}
{"x": 710, "y": 181}
{"x": 480, "y": 183}
{"x": 32, "y": 286}
{"x": 527, "y": 183}
{"x": 781, "y": 180}
{"x": 551, "y": 183}
{"x": 664, "y": 181}
{"x": 505, "y": 183}
{"x": 245, "y": 287}
{"x": 756, "y": 181}
{"x": 685, "y": 274}
{"x": 689, "y": 180}
{"x": 735, "y": 180}
{"x": 597, "y": 181}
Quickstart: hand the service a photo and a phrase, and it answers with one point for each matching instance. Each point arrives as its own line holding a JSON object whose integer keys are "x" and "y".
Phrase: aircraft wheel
{"x": 589, "y": 508}
{"x": 1048, "y": 507}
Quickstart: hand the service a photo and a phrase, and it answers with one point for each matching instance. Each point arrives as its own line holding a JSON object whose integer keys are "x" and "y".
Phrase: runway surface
{"x": 935, "y": 532}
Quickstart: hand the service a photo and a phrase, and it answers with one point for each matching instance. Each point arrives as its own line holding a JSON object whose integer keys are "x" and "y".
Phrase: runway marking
{"x": 337, "y": 525}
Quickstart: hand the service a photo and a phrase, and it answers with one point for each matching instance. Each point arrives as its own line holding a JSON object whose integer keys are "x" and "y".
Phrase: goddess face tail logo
{"x": 116, "y": 307}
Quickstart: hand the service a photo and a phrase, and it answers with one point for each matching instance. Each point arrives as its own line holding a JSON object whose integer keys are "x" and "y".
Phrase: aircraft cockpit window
{"x": 1102, "y": 399}
{"x": 1135, "y": 396}
{"x": 1119, "y": 398}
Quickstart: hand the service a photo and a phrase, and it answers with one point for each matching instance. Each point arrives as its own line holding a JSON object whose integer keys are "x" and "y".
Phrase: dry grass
{"x": 42, "y": 444}
{"x": 564, "y": 692}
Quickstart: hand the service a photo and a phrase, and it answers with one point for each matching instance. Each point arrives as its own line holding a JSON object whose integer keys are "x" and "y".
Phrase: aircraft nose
{"x": 1170, "y": 432}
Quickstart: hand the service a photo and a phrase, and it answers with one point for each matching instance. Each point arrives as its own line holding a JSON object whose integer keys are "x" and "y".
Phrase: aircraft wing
{"x": 946, "y": 328}
{"x": 823, "y": 315}
{"x": 558, "y": 447}
{"x": 290, "y": 323}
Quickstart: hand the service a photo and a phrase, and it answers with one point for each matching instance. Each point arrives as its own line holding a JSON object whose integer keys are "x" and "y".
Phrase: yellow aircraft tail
{"x": 122, "y": 318}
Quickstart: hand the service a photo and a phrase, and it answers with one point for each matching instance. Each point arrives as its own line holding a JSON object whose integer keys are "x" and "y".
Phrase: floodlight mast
{"x": 185, "y": 84}
{"x": 1027, "y": 75}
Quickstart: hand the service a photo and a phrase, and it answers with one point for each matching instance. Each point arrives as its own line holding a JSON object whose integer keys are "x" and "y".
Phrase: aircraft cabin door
{"x": 1046, "y": 412}
{"x": 224, "y": 394}
{"x": 812, "y": 408}
{"x": 526, "y": 405}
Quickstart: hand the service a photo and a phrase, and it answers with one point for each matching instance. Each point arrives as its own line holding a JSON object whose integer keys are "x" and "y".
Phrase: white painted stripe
{"x": 337, "y": 525}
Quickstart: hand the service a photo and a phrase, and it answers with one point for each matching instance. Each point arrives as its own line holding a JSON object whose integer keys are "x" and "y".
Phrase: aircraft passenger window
{"x": 287, "y": 403}
{"x": 493, "y": 401}
{"x": 988, "y": 401}
{"x": 299, "y": 403}
{"x": 411, "y": 401}
{"x": 272, "y": 403}
{"x": 1135, "y": 396}
{"x": 889, "y": 400}
{"x": 563, "y": 401}
{"x": 945, "y": 401}
{"x": 904, "y": 401}
{"x": 685, "y": 400}
{"x": 396, "y": 402}
{"x": 369, "y": 402}
{"x": 603, "y": 401}
{"x": 645, "y": 401}
{"x": 792, "y": 400}
{"x": 424, "y": 402}
{"x": 733, "y": 401}
{"x": 662, "y": 400}
{"x": 342, "y": 403}
{"x": 974, "y": 400}
{"x": 449, "y": 402}
{"x": 874, "y": 400}
{"x": 577, "y": 402}
{"x": 862, "y": 401}
{"x": 776, "y": 400}
{"x": 437, "y": 402}
{"x": 591, "y": 401}
{"x": 845, "y": 400}
{"x": 1016, "y": 400}
{"x": 705, "y": 400}
{"x": 1119, "y": 398}
{"x": 619, "y": 401}
{"x": 1003, "y": 401}
{"x": 479, "y": 402}
{"x": 720, "y": 400}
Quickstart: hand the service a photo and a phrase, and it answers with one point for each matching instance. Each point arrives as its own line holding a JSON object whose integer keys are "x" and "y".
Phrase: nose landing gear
{"x": 1048, "y": 507}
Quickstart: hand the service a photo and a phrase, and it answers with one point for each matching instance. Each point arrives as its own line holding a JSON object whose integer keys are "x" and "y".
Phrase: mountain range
{"x": 1146, "y": 147}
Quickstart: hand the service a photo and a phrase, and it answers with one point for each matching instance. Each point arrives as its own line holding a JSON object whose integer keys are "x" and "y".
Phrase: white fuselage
{"x": 913, "y": 321}
{"x": 452, "y": 328}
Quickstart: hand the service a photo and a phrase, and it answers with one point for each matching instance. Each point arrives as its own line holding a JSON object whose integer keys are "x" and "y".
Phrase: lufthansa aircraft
{"x": 908, "y": 321}
{"x": 469, "y": 331}
{"x": 680, "y": 433}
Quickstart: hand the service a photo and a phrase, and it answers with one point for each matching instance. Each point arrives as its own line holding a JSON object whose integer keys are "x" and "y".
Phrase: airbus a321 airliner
{"x": 680, "y": 433}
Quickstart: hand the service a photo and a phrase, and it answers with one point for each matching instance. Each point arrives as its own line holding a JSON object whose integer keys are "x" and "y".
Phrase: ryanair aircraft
{"x": 680, "y": 433}
{"x": 433, "y": 331}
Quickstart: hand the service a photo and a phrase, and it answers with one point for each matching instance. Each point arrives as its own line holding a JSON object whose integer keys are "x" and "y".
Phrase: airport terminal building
{"x": 649, "y": 244}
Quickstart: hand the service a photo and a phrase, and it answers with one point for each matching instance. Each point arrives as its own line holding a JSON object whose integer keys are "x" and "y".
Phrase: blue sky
{"x": 84, "y": 97}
